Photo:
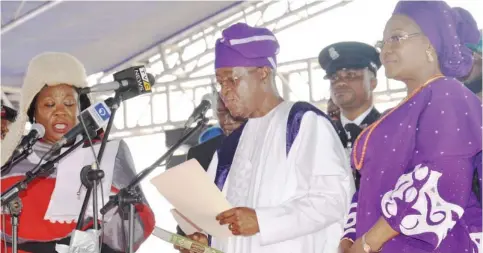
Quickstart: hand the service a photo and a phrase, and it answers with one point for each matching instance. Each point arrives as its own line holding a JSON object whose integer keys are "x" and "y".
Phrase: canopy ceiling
{"x": 102, "y": 34}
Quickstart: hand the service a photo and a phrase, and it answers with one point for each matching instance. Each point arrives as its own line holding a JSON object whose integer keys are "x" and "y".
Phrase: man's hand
{"x": 197, "y": 237}
{"x": 241, "y": 220}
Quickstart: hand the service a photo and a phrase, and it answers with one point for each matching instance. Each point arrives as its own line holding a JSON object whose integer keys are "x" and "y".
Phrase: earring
{"x": 429, "y": 55}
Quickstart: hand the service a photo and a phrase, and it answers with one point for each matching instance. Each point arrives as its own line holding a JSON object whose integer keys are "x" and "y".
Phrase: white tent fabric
{"x": 102, "y": 34}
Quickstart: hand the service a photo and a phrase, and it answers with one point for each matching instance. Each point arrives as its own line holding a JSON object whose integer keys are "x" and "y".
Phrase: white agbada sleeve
{"x": 323, "y": 185}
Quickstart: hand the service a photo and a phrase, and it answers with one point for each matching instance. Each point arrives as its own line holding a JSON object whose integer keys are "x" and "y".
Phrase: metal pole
{"x": 131, "y": 228}
{"x": 14, "y": 208}
{"x": 94, "y": 203}
{"x": 14, "y": 233}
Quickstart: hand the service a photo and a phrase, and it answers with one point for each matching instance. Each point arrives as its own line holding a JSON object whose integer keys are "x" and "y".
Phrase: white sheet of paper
{"x": 194, "y": 194}
{"x": 65, "y": 204}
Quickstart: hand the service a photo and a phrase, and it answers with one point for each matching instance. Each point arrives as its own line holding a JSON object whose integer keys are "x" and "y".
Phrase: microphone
{"x": 131, "y": 79}
{"x": 94, "y": 117}
{"x": 37, "y": 132}
{"x": 200, "y": 111}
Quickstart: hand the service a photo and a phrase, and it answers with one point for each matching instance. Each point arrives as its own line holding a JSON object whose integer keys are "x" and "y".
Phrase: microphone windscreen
{"x": 39, "y": 128}
{"x": 208, "y": 97}
{"x": 151, "y": 78}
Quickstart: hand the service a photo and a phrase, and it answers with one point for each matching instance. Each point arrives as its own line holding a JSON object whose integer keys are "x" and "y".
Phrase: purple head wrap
{"x": 244, "y": 46}
{"x": 448, "y": 30}
{"x": 468, "y": 28}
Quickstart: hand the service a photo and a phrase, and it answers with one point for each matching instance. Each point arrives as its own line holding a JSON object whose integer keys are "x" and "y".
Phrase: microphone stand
{"x": 128, "y": 196}
{"x": 10, "y": 198}
{"x": 15, "y": 160}
{"x": 91, "y": 175}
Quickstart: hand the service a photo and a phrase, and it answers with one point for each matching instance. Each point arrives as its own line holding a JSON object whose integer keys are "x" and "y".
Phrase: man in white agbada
{"x": 285, "y": 170}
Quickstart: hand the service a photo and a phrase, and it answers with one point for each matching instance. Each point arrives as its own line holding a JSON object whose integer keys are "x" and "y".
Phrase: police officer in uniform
{"x": 351, "y": 68}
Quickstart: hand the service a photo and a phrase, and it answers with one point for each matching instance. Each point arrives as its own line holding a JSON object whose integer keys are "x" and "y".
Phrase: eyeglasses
{"x": 396, "y": 39}
{"x": 227, "y": 82}
{"x": 231, "y": 82}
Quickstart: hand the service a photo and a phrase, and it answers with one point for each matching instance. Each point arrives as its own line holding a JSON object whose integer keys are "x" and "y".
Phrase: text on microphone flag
{"x": 144, "y": 76}
{"x": 142, "y": 80}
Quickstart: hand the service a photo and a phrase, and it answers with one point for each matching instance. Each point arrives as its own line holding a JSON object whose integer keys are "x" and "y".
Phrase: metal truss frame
{"x": 306, "y": 67}
{"x": 175, "y": 72}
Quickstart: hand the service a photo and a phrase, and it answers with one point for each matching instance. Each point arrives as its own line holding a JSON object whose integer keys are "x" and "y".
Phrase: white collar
{"x": 357, "y": 120}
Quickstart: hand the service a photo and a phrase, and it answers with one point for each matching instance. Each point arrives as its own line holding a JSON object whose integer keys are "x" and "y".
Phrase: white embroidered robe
{"x": 300, "y": 199}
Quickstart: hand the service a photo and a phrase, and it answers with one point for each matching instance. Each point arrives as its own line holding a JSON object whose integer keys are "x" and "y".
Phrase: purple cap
{"x": 447, "y": 29}
{"x": 244, "y": 46}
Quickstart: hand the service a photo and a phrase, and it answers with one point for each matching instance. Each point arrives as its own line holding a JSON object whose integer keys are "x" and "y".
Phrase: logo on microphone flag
{"x": 101, "y": 114}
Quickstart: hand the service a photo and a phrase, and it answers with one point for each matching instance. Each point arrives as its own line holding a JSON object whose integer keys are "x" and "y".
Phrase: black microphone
{"x": 94, "y": 117}
{"x": 131, "y": 79}
{"x": 37, "y": 132}
{"x": 200, "y": 110}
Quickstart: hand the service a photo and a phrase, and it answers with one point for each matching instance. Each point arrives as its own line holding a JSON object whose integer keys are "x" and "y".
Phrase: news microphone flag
{"x": 94, "y": 117}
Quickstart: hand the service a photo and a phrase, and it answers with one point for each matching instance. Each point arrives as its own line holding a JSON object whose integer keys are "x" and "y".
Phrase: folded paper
{"x": 195, "y": 196}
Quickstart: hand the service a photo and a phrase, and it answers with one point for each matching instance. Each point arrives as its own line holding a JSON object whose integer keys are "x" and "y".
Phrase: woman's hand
{"x": 357, "y": 247}
{"x": 345, "y": 245}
